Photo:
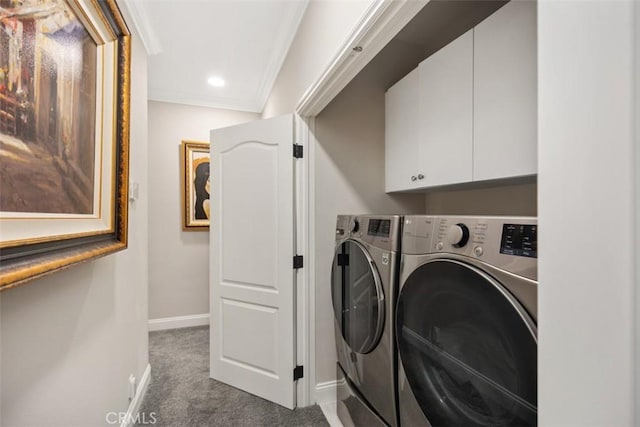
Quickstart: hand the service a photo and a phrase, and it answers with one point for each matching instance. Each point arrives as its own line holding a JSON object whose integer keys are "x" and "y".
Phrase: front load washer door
{"x": 468, "y": 349}
{"x": 358, "y": 298}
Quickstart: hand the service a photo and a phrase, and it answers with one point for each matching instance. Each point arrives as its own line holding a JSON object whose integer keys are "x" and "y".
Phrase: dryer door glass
{"x": 468, "y": 348}
{"x": 358, "y": 298}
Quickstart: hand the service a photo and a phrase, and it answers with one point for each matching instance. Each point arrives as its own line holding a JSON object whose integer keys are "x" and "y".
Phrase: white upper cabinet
{"x": 504, "y": 95}
{"x": 476, "y": 114}
{"x": 401, "y": 134}
{"x": 446, "y": 114}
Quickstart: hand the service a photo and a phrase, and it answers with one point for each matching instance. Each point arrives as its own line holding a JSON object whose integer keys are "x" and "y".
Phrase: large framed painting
{"x": 196, "y": 186}
{"x": 64, "y": 134}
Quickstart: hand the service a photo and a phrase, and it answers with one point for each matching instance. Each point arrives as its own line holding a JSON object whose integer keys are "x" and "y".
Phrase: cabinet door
{"x": 505, "y": 101}
{"x": 401, "y": 134}
{"x": 446, "y": 118}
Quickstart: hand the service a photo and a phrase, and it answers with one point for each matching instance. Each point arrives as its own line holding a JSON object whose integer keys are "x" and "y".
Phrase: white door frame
{"x": 379, "y": 24}
{"x": 637, "y": 206}
{"x": 305, "y": 308}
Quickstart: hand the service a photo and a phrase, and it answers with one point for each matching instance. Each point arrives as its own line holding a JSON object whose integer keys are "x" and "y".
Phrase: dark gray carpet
{"x": 182, "y": 394}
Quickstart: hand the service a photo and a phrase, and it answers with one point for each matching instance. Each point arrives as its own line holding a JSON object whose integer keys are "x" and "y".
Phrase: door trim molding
{"x": 379, "y": 24}
{"x": 636, "y": 24}
{"x": 305, "y": 301}
{"x": 131, "y": 417}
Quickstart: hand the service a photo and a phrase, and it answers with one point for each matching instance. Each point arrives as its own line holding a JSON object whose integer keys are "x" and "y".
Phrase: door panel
{"x": 256, "y": 354}
{"x": 250, "y": 218}
{"x": 446, "y": 113}
{"x": 505, "y": 93}
{"x": 402, "y": 119}
{"x": 252, "y": 247}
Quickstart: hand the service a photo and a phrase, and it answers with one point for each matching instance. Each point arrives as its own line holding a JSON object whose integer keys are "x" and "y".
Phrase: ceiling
{"x": 243, "y": 42}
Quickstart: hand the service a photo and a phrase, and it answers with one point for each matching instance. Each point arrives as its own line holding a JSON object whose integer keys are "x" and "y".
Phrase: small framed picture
{"x": 196, "y": 185}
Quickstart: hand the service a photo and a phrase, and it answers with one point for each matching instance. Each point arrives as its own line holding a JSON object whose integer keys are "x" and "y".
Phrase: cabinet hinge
{"x": 298, "y": 372}
{"x": 298, "y": 261}
{"x": 297, "y": 151}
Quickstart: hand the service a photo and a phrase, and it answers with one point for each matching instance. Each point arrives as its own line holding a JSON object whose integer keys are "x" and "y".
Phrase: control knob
{"x": 458, "y": 235}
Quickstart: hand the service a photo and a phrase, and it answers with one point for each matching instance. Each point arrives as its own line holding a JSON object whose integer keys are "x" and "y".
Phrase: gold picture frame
{"x": 64, "y": 135}
{"x": 196, "y": 186}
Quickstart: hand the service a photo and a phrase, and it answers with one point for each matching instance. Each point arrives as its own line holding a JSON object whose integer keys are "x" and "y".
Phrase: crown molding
{"x": 380, "y": 23}
{"x": 281, "y": 46}
{"x": 143, "y": 28}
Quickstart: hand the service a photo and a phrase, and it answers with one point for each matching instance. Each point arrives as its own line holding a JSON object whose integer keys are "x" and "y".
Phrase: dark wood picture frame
{"x": 24, "y": 259}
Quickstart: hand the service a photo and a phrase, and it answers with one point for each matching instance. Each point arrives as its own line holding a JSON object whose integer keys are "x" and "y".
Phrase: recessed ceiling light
{"x": 215, "y": 81}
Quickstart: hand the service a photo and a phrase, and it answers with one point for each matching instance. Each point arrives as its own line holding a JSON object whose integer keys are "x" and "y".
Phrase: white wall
{"x": 349, "y": 179}
{"x": 637, "y": 198}
{"x": 325, "y": 27}
{"x": 71, "y": 340}
{"x": 586, "y": 213}
{"x": 178, "y": 260}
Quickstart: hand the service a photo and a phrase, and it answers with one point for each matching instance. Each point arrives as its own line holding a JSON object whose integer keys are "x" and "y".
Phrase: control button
{"x": 439, "y": 246}
{"x": 354, "y": 226}
{"x": 340, "y": 231}
{"x": 458, "y": 235}
{"x": 477, "y": 251}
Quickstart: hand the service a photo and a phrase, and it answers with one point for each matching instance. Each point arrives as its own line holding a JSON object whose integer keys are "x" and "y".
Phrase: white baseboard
{"x": 132, "y": 416}
{"x": 326, "y": 392}
{"x": 178, "y": 322}
{"x": 330, "y": 412}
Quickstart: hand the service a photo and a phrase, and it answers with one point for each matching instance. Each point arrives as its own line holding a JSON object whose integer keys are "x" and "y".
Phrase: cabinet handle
{"x": 414, "y": 178}
{"x": 420, "y": 176}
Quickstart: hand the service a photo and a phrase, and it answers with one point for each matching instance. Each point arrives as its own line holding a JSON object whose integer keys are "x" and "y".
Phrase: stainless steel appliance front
{"x": 364, "y": 289}
{"x": 466, "y": 321}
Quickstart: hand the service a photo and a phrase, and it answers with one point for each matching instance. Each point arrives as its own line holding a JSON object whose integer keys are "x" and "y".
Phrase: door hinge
{"x": 297, "y": 151}
{"x": 297, "y": 261}
{"x": 298, "y": 372}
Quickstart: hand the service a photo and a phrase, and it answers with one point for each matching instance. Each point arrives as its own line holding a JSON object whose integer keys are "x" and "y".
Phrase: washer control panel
{"x": 519, "y": 240}
{"x": 510, "y": 242}
{"x": 381, "y": 231}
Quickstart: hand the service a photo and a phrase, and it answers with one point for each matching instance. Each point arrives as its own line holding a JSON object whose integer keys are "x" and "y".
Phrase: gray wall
{"x": 485, "y": 199}
{"x": 178, "y": 260}
{"x": 71, "y": 340}
{"x": 349, "y": 178}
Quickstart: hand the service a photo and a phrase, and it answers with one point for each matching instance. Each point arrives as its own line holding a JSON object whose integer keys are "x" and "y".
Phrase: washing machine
{"x": 466, "y": 321}
{"x": 364, "y": 283}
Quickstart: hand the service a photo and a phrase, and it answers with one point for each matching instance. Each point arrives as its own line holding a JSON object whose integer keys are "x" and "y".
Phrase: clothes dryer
{"x": 466, "y": 321}
{"x": 364, "y": 288}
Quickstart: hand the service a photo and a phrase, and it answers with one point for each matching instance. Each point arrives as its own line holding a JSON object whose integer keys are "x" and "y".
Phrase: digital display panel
{"x": 519, "y": 240}
{"x": 379, "y": 227}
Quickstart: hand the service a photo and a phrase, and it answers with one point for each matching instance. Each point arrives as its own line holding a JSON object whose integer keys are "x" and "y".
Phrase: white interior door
{"x": 252, "y": 248}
